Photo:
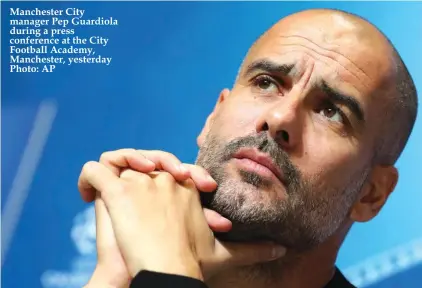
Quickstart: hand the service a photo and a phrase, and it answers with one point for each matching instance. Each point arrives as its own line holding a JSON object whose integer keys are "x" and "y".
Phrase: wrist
{"x": 183, "y": 267}
{"x": 105, "y": 279}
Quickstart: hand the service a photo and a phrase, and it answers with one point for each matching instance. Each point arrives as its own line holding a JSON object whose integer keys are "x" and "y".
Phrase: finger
{"x": 96, "y": 176}
{"x": 167, "y": 162}
{"x": 239, "y": 254}
{"x": 217, "y": 222}
{"x": 87, "y": 191}
{"x": 126, "y": 158}
{"x": 116, "y": 161}
{"x": 133, "y": 176}
{"x": 202, "y": 179}
{"x": 104, "y": 229}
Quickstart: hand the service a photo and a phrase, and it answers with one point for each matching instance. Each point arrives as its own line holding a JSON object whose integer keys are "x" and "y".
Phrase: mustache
{"x": 268, "y": 145}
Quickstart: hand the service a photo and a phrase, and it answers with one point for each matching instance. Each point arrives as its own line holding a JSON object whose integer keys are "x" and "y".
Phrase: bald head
{"x": 316, "y": 93}
{"x": 379, "y": 68}
{"x": 401, "y": 106}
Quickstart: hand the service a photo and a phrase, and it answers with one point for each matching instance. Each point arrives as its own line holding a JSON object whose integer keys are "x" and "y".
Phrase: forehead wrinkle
{"x": 273, "y": 57}
{"x": 326, "y": 49}
{"x": 332, "y": 57}
{"x": 325, "y": 62}
{"x": 299, "y": 64}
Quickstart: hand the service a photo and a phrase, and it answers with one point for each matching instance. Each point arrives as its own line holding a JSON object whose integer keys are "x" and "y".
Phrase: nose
{"x": 283, "y": 123}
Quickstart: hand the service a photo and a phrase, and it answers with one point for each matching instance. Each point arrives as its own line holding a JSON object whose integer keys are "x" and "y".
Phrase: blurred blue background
{"x": 170, "y": 61}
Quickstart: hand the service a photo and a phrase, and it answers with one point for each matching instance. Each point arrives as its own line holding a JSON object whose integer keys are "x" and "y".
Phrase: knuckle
{"x": 190, "y": 191}
{"x": 127, "y": 175}
{"x": 89, "y": 167}
{"x": 166, "y": 155}
{"x": 127, "y": 150}
{"x": 188, "y": 183}
{"x": 140, "y": 151}
{"x": 133, "y": 177}
{"x": 109, "y": 155}
{"x": 148, "y": 154}
{"x": 142, "y": 179}
{"x": 196, "y": 169}
{"x": 164, "y": 179}
{"x": 166, "y": 176}
{"x": 105, "y": 156}
{"x": 124, "y": 150}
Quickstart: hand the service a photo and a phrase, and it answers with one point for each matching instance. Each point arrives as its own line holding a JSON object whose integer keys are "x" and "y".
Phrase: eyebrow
{"x": 269, "y": 67}
{"x": 338, "y": 97}
{"x": 333, "y": 94}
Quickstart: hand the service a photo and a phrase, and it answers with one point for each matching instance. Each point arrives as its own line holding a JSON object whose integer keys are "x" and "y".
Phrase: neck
{"x": 311, "y": 269}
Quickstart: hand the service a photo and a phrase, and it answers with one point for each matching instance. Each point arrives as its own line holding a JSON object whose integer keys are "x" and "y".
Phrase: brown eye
{"x": 329, "y": 112}
{"x": 332, "y": 113}
{"x": 265, "y": 83}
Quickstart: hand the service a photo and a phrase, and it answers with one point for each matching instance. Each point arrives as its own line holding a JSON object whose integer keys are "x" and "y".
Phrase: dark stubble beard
{"x": 300, "y": 222}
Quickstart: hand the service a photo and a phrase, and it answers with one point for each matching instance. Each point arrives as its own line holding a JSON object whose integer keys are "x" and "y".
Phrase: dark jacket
{"x": 148, "y": 279}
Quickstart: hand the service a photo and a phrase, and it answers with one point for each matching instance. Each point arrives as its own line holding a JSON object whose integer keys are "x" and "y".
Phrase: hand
{"x": 160, "y": 226}
{"x": 147, "y": 161}
{"x": 111, "y": 269}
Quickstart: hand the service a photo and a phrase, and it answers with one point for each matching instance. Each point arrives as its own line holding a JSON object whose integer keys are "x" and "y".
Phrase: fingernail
{"x": 150, "y": 162}
{"x": 210, "y": 178}
{"x": 223, "y": 220}
{"x": 278, "y": 252}
{"x": 183, "y": 169}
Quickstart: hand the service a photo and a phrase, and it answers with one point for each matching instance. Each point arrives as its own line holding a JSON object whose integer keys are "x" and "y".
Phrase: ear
{"x": 375, "y": 193}
{"x": 201, "y": 137}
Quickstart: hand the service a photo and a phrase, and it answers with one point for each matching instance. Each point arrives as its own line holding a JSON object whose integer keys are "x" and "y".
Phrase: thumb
{"x": 229, "y": 255}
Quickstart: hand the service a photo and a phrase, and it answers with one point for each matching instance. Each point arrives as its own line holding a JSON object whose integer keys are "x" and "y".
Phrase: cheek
{"x": 328, "y": 161}
{"x": 236, "y": 119}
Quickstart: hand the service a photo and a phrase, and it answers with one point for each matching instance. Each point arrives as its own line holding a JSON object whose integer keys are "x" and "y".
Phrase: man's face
{"x": 303, "y": 102}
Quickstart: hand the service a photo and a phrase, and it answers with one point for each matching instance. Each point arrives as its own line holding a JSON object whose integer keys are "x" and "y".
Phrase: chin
{"x": 245, "y": 196}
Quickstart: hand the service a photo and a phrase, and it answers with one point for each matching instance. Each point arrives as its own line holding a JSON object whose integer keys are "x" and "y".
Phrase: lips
{"x": 262, "y": 159}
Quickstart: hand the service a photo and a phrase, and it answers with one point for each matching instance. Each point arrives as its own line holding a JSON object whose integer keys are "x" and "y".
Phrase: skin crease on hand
{"x": 323, "y": 148}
